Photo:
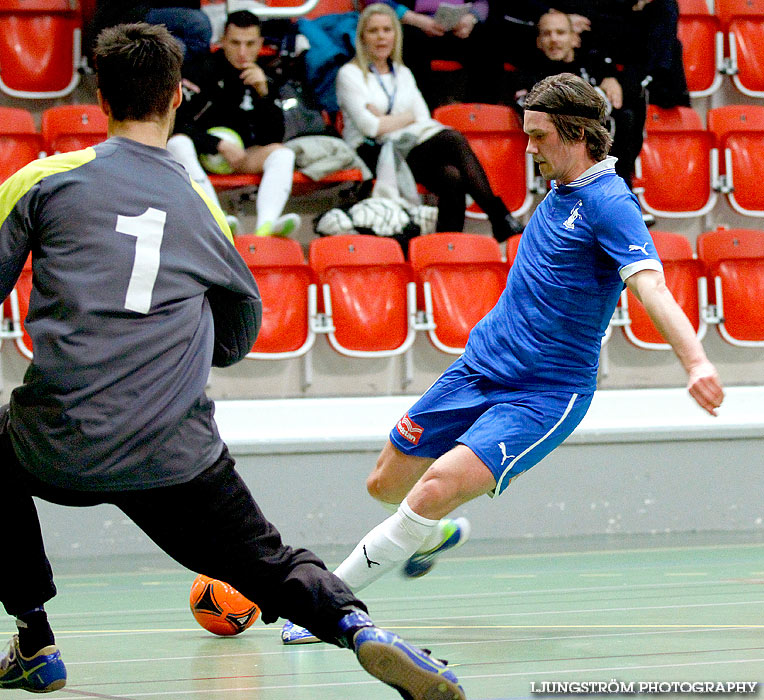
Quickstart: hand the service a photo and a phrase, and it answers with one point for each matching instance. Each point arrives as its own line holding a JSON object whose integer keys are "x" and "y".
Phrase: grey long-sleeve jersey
{"x": 124, "y": 249}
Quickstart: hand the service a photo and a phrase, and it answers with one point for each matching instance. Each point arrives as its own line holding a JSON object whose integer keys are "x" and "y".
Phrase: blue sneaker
{"x": 294, "y": 634}
{"x": 455, "y": 533}
{"x": 411, "y": 671}
{"x": 43, "y": 673}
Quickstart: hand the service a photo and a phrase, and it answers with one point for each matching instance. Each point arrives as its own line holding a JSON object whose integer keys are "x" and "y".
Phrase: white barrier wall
{"x": 643, "y": 461}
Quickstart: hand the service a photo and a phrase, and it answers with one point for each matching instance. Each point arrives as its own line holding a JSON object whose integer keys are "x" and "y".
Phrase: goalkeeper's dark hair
{"x": 138, "y": 70}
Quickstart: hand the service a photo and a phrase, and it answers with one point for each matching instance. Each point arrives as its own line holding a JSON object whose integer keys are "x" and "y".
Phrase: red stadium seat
{"x": 685, "y": 277}
{"x": 734, "y": 259}
{"x": 40, "y": 47}
{"x": 369, "y": 297}
{"x": 19, "y": 141}
{"x": 675, "y": 169}
{"x": 739, "y": 131}
{"x": 702, "y": 47}
{"x": 461, "y": 276}
{"x": 497, "y": 137}
{"x": 72, "y": 127}
{"x": 743, "y": 23}
{"x": 441, "y": 65}
{"x": 288, "y": 292}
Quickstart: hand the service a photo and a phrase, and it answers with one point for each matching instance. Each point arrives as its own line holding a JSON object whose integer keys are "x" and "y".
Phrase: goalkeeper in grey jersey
{"x": 137, "y": 290}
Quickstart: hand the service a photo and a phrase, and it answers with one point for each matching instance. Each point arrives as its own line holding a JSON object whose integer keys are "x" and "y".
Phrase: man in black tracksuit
{"x": 559, "y": 52}
{"x": 229, "y": 89}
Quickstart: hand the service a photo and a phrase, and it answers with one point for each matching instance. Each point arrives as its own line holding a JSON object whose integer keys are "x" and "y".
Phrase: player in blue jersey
{"x": 528, "y": 373}
{"x": 137, "y": 289}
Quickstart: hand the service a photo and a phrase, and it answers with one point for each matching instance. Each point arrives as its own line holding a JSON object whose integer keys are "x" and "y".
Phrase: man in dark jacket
{"x": 559, "y": 52}
{"x": 229, "y": 89}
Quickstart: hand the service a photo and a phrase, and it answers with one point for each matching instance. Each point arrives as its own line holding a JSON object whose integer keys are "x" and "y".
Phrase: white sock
{"x": 275, "y": 187}
{"x": 384, "y": 548}
{"x": 433, "y": 539}
{"x": 183, "y": 150}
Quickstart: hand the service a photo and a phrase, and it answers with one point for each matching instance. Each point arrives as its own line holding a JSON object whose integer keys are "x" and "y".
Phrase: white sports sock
{"x": 182, "y": 148}
{"x": 384, "y": 548}
{"x": 275, "y": 187}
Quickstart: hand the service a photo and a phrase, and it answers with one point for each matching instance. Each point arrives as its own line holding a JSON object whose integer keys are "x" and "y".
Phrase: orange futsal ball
{"x": 220, "y": 608}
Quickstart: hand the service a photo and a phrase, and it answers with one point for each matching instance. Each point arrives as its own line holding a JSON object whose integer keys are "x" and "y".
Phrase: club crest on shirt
{"x": 247, "y": 103}
{"x": 409, "y": 430}
{"x": 569, "y": 223}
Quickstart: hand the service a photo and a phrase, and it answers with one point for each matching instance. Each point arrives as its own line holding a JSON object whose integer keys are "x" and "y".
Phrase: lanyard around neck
{"x": 390, "y": 95}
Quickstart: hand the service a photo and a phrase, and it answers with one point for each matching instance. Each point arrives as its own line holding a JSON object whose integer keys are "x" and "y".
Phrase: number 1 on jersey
{"x": 148, "y": 229}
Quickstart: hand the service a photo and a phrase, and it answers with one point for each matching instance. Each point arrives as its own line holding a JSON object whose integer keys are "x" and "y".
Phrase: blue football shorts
{"x": 510, "y": 430}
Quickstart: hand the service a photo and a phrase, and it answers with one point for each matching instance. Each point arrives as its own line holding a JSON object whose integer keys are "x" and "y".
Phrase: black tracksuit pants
{"x": 211, "y": 525}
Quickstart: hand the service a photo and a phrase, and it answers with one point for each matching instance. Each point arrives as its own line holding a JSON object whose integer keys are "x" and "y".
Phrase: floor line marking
{"x": 462, "y": 677}
{"x": 451, "y": 596}
{"x": 322, "y": 648}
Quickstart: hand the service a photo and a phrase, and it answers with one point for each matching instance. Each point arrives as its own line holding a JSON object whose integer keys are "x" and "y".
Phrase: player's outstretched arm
{"x": 704, "y": 385}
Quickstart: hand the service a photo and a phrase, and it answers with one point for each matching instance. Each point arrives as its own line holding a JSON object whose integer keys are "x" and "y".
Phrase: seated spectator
{"x": 380, "y": 103}
{"x": 228, "y": 88}
{"x": 640, "y": 35}
{"x": 558, "y": 51}
{"x": 513, "y": 29}
{"x": 425, "y": 39}
{"x": 185, "y": 20}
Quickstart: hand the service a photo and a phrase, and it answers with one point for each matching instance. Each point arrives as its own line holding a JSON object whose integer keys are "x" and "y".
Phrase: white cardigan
{"x": 354, "y": 92}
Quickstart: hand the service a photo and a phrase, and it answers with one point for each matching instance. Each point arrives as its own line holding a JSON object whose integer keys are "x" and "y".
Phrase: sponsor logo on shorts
{"x": 409, "y": 430}
{"x": 504, "y": 455}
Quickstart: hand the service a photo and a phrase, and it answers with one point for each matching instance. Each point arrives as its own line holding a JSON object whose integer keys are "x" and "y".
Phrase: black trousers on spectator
{"x": 211, "y": 525}
{"x": 483, "y": 66}
{"x": 448, "y": 167}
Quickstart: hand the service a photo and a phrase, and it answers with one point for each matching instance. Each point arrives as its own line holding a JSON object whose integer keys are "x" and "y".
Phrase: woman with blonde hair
{"x": 380, "y": 102}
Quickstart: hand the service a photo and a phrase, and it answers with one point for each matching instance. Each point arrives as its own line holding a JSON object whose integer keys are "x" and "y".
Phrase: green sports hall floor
{"x": 506, "y": 614}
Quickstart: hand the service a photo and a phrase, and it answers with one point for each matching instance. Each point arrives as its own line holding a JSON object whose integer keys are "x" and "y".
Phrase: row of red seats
{"x": 683, "y": 165}
{"x": 721, "y": 285}
{"x": 63, "y": 128}
{"x": 372, "y": 302}
{"x": 494, "y": 132}
{"x": 725, "y": 42}
{"x": 681, "y": 170}
{"x": 71, "y": 127}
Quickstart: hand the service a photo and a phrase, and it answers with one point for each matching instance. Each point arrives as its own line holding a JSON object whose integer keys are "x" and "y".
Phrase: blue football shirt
{"x": 582, "y": 242}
